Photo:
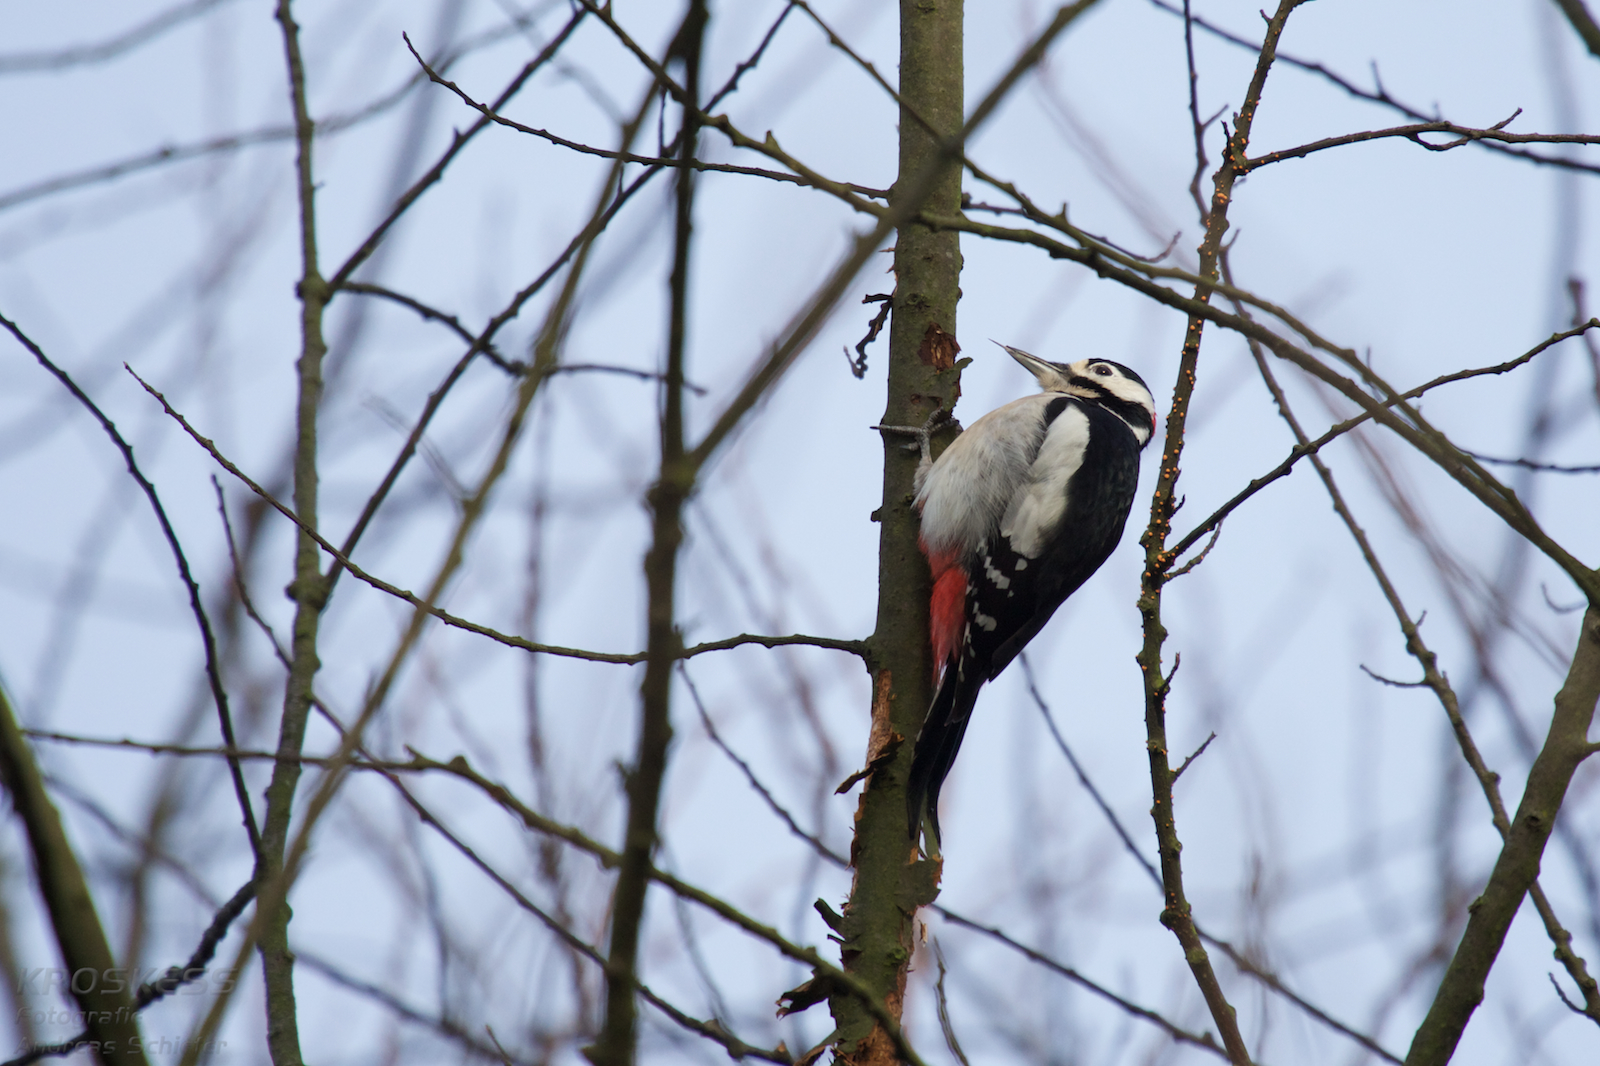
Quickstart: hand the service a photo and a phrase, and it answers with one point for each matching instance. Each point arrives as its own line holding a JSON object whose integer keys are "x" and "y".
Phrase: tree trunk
{"x": 877, "y": 926}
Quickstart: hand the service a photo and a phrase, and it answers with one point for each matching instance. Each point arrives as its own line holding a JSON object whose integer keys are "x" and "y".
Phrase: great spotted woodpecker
{"x": 1016, "y": 513}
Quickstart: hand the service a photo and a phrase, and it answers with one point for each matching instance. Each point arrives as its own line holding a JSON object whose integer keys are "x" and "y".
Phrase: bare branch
{"x": 171, "y": 154}
{"x": 490, "y": 114}
{"x": 457, "y": 142}
{"x": 444, "y": 1026}
{"x": 153, "y": 991}
{"x": 78, "y": 932}
{"x": 126, "y": 41}
{"x": 433, "y": 314}
{"x": 943, "y": 1005}
{"x": 219, "y": 694}
{"x": 1391, "y": 682}
{"x": 617, "y": 1042}
{"x": 1462, "y": 134}
{"x": 1177, "y": 914}
{"x": 1582, "y": 23}
{"x": 1528, "y": 464}
{"x": 1201, "y": 750}
{"x": 1203, "y": 1041}
{"x": 459, "y": 767}
{"x": 711, "y": 1030}
{"x": 1300, "y": 451}
{"x": 749, "y": 775}
{"x": 1235, "y": 956}
{"x": 1489, "y": 781}
{"x": 1379, "y": 96}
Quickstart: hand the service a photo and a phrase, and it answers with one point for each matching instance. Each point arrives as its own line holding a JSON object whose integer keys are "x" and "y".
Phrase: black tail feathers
{"x": 937, "y": 745}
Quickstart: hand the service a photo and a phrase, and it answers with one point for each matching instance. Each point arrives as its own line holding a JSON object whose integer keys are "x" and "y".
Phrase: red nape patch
{"x": 946, "y": 608}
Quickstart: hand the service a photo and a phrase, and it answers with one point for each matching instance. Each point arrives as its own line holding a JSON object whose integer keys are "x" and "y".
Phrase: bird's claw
{"x": 923, "y": 433}
{"x": 919, "y": 432}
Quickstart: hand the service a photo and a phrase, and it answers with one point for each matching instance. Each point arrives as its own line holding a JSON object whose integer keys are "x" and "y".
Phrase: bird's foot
{"x": 923, "y": 433}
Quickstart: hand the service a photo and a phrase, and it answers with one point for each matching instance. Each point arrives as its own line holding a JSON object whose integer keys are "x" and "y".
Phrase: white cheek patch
{"x": 1041, "y": 499}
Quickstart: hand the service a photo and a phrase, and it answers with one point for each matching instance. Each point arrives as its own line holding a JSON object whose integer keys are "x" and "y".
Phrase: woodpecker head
{"x": 1113, "y": 386}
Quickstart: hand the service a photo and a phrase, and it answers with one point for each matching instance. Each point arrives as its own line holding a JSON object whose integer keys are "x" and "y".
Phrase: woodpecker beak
{"x": 1049, "y": 374}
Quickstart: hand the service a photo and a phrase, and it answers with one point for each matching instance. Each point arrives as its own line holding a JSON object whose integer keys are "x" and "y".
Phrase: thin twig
{"x": 1300, "y": 451}
{"x": 1413, "y": 133}
{"x": 625, "y": 371}
{"x": 858, "y": 365}
{"x": 1379, "y": 96}
{"x": 943, "y": 1006}
{"x": 750, "y": 776}
{"x": 855, "y": 647}
{"x": 109, "y": 48}
{"x": 609, "y": 858}
{"x": 1198, "y": 127}
{"x": 1435, "y": 680}
{"x": 1192, "y": 563}
{"x": 489, "y": 114}
{"x": 239, "y": 586}
{"x": 1204, "y": 1041}
{"x": 1201, "y": 750}
{"x": 712, "y": 1030}
{"x": 179, "y": 153}
{"x": 746, "y": 65}
{"x": 1391, "y": 682}
{"x": 1528, "y": 464}
{"x": 1177, "y": 914}
{"x": 173, "y": 979}
{"x": 433, "y": 314}
{"x": 1083, "y": 777}
{"x": 458, "y": 141}
{"x": 444, "y": 1026}
{"x": 1235, "y": 956}
{"x": 219, "y": 693}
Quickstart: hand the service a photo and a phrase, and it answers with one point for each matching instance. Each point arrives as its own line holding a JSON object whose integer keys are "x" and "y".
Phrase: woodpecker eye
{"x": 1101, "y": 369}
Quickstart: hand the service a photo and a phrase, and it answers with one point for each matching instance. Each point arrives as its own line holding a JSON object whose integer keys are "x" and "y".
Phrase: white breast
{"x": 1036, "y": 508}
{"x": 973, "y": 484}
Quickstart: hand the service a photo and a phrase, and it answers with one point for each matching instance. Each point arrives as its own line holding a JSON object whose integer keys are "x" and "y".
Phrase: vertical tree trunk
{"x": 877, "y": 926}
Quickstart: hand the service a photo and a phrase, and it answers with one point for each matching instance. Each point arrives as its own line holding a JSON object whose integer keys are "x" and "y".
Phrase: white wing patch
{"x": 999, "y": 580}
{"x": 1039, "y": 502}
{"x": 974, "y": 481}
